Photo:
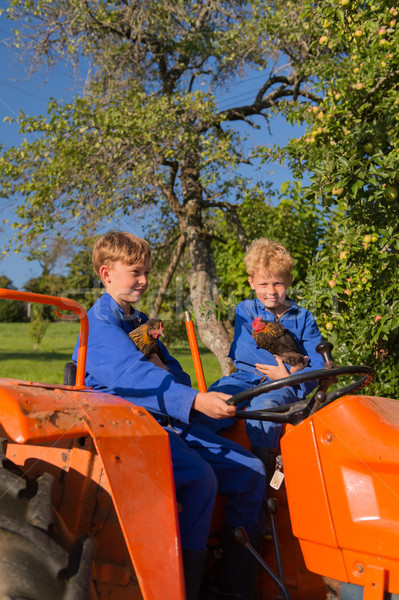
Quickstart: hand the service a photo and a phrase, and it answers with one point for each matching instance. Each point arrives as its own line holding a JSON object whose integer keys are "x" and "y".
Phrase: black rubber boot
{"x": 193, "y": 562}
{"x": 238, "y": 568}
{"x": 268, "y": 457}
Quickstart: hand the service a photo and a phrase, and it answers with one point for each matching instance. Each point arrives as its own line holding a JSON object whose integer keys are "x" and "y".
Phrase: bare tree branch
{"x": 167, "y": 278}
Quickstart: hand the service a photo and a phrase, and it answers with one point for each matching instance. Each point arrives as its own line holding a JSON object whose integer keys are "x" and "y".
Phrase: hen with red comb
{"x": 276, "y": 339}
{"x": 145, "y": 337}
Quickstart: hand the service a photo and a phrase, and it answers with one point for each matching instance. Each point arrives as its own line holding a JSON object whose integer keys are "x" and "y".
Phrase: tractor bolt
{"x": 359, "y": 568}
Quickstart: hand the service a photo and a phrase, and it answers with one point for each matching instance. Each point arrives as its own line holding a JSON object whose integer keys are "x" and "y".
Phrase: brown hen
{"x": 145, "y": 338}
{"x": 275, "y": 338}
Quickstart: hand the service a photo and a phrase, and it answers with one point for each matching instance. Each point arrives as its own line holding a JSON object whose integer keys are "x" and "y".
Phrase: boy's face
{"x": 126, "y": 283}
{"x": 271, "y": 289}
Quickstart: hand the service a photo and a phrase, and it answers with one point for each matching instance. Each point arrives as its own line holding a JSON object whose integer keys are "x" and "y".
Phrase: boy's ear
{"x": 251, "y": 283}
{"x": 104, "y": 272}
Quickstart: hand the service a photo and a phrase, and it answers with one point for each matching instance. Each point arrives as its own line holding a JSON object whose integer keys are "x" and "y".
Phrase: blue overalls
{"x": 203, "y": 462}
{"x": 245, "y": 353}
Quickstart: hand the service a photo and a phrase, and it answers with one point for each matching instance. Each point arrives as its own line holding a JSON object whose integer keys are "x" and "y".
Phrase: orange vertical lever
{"x": 192, "y": 340}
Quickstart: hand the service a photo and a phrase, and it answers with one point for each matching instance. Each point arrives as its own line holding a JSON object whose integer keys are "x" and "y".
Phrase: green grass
{"x": 19, "y": 361}
{"x": 210, "y": 364}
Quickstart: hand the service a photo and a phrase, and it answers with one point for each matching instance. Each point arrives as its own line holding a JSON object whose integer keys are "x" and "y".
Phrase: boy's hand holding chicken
{"x": 277, "y": 340}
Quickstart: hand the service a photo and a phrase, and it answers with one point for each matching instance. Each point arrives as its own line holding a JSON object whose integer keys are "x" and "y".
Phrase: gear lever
{"x": 241, "y": 537}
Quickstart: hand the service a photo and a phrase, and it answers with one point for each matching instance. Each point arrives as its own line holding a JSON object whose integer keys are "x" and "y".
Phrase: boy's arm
{"x": 277, "y": 371}
{"x": 116, "y": 366}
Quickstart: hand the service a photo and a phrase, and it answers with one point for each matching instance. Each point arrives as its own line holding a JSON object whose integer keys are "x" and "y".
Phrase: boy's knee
{"x": 253, "y": 475}
{"x": 271, "y": 399}
{"x": 262, "y": 402}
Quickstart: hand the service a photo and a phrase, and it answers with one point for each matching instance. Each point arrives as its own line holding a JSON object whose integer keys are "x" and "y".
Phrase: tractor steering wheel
{"x": 297, "y": 411}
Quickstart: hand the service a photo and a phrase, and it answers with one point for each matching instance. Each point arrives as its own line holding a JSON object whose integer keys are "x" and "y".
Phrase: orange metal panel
{"x": 373, "y": 572}
{"x": 360, "y": 468}
{"x": 344, "y": 485}
{"x": 375, "y": 584}
{"x": 36, "y": 412}
{"x": 139, "y": 471}
{"x": 135, "y": 453}
{"x": 324, "y": 560}
{"x": 308, "y": 502}
{"x": 307, "y": 496}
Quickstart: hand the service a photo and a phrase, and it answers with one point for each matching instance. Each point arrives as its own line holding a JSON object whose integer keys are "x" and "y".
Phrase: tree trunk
{"x": 203, "y": 289}
{"x": 202, "y": 278}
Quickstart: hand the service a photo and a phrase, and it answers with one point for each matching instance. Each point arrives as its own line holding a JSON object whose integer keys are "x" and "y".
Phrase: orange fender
{"x": 134, "y": 451}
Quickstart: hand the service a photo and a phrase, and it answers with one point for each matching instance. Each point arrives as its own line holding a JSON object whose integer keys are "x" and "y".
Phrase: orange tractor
{"x": 88, "y": 509}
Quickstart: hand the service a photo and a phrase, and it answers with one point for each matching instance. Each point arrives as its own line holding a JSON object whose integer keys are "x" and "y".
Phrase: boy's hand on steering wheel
{"x": 213, "y": 404}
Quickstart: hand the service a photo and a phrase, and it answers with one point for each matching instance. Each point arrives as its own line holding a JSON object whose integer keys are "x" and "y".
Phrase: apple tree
{"x": 351, "y": 150}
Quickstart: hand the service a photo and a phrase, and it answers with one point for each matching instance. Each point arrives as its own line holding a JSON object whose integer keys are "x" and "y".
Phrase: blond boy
{"x": 269, "y": 266}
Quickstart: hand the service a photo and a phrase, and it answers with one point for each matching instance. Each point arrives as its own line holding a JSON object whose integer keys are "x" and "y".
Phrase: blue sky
{"x": 18, "y": 92}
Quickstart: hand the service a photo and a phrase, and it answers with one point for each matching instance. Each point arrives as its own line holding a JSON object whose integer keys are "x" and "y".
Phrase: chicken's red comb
{"x": 256, "y": 322}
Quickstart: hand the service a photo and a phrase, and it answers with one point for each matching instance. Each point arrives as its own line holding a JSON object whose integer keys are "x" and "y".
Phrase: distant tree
{"x": 51, "y": 252}
{"x": 38, "y": 324}
{"x": 51, "y": 255}
{"x": 6, "y": 283}
{"x": 11, "y": 311}
{"x": 46, "y": 284}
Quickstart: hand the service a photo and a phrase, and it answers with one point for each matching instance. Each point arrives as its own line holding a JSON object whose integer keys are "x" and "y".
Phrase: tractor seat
{"x": 70, "y": 373}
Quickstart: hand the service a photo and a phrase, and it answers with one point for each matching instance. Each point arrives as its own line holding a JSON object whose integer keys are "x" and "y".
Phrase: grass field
{"x": 19, "y": 361}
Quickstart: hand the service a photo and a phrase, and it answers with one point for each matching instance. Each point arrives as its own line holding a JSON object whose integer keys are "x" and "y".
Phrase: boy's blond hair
{"x": 119, "y": 245}
{"x": 267, "y": 256}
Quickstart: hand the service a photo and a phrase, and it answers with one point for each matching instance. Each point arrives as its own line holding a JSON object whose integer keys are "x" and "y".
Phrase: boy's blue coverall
{"x": 245, "y": 353}
{"x": 203, "y": 462}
